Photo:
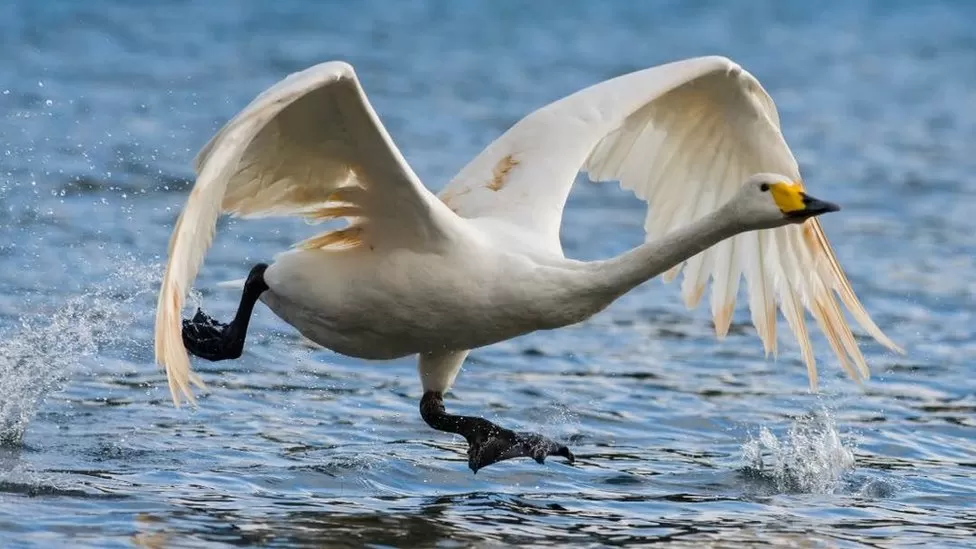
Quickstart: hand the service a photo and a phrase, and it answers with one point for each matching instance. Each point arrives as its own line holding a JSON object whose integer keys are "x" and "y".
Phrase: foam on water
{"x": 37, "y": 356}
{"x": 810, "y": 457}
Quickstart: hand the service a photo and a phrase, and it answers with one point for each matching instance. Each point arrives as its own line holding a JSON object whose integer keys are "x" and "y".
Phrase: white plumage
{"x": 438, "y": 276}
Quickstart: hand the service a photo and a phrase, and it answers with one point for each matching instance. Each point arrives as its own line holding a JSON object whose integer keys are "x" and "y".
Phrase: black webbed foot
{"x": 213, "y": 340}
{"x": 488, "y": 442}
{"x": 501, "y": 444}
{"x": 207, "y": 338}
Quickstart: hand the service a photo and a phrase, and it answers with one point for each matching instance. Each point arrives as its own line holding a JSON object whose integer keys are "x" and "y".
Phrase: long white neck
{"x": 623, "y": 273}
{"x": 592, "y": 286}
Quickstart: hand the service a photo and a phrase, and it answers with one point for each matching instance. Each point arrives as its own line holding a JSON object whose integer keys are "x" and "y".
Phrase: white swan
{"x": 415, "y": 273}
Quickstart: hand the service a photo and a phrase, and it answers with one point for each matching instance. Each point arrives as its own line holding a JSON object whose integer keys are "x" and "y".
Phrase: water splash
{"x": 38, "y": 356}
{"x": 811, "y": 457}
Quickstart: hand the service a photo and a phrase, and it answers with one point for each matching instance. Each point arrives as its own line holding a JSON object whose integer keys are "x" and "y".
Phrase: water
{"x": 680, "y": 439}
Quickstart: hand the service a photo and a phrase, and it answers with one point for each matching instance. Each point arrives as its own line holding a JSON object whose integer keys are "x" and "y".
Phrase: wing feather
{"x": 683, "y": 137}
{"x": 688, "y": 208}
{"x": 311, "y": 146}
{"x": 700, "y": 266}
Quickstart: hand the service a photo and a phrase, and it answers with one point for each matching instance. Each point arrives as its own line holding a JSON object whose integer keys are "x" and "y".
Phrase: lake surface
{"x": 681, "y": 440}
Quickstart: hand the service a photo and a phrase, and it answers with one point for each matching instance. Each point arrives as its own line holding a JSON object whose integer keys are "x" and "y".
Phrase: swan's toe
{"x": 505, "y": 444}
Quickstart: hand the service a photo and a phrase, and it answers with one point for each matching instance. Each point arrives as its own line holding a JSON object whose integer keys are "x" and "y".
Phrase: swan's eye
{"x": 764, "y": 187}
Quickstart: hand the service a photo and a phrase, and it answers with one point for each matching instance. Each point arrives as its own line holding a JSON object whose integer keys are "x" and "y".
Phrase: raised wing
{"x": 311, "y": 145}
{"x": 683, "y": 137}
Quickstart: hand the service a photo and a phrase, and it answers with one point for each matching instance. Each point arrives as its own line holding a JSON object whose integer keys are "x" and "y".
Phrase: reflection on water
{"x": 680, "y": 439}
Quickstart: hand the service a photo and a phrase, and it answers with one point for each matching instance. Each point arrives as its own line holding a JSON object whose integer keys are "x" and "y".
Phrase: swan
{"x": 414, "y": 273}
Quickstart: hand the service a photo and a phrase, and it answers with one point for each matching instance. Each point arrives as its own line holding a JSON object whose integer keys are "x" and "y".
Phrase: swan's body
{"x": 438, "y": 276}
{"x": 476, "y": 291}
{"x": 382, "y": 306}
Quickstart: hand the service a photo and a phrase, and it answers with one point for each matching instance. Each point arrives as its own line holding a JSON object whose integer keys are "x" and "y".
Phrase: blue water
{"x": 680, "y": 439}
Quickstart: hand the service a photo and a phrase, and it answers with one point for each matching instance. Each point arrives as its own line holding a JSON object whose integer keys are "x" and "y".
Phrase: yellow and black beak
{"x": 794, "y": 202}
{"x": 813, "y": 206}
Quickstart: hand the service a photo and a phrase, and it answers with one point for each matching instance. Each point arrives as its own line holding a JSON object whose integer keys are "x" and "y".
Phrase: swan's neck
{"x": 621, "y": 274}
{"x": 596, "y": 284}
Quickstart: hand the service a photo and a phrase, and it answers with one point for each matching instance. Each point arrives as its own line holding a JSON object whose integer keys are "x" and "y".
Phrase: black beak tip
{"x": 815, "y": 206}
{"x": 830, "y": 207}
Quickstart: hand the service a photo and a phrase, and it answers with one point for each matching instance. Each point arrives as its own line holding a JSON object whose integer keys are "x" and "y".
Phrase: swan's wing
{"x": 683, "y": 137}
{"x": 311, "y": 145}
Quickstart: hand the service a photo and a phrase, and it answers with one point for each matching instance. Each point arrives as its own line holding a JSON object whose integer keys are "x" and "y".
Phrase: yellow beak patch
{"x": 788, "y": 196}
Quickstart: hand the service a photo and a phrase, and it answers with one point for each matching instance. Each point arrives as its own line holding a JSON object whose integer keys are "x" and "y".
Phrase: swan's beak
{"x": 794, "y": 202}
{"x": 813, "y": 206}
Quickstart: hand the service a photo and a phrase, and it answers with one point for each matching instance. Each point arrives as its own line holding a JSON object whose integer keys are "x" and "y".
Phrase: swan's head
{"x": 769, "y": 200}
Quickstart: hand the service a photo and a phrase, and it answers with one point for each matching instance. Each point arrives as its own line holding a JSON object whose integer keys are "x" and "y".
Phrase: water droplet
{"x": 50, "y": 345}
{"x": 49, "y": 102}
{"x": 811, "y": 457}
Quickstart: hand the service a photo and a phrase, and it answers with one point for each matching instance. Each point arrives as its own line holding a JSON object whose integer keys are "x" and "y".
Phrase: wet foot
{"x": 213, "y": 340}
{"x": 488, "y": 442}
{"x": 207, "y": 338}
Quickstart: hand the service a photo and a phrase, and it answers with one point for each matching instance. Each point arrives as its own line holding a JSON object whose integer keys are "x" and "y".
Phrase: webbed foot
{"x": 488, "y": 442}
{"x": 207, "y": 338}
{"x": 501, "y": 444}
{"x": 213, "y": 340}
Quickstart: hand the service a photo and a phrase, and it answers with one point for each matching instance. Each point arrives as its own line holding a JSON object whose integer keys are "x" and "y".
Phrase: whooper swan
{"x": 436, "y": 276}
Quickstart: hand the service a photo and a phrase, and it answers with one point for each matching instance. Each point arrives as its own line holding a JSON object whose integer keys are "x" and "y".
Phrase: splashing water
{"x": 37, "y": 356}
{"x": 812, "y": 457}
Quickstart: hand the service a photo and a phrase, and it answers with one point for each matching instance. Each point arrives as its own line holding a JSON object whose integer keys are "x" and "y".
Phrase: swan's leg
{"x": 487, "y": 442}
{"x": 207, "y": 338}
